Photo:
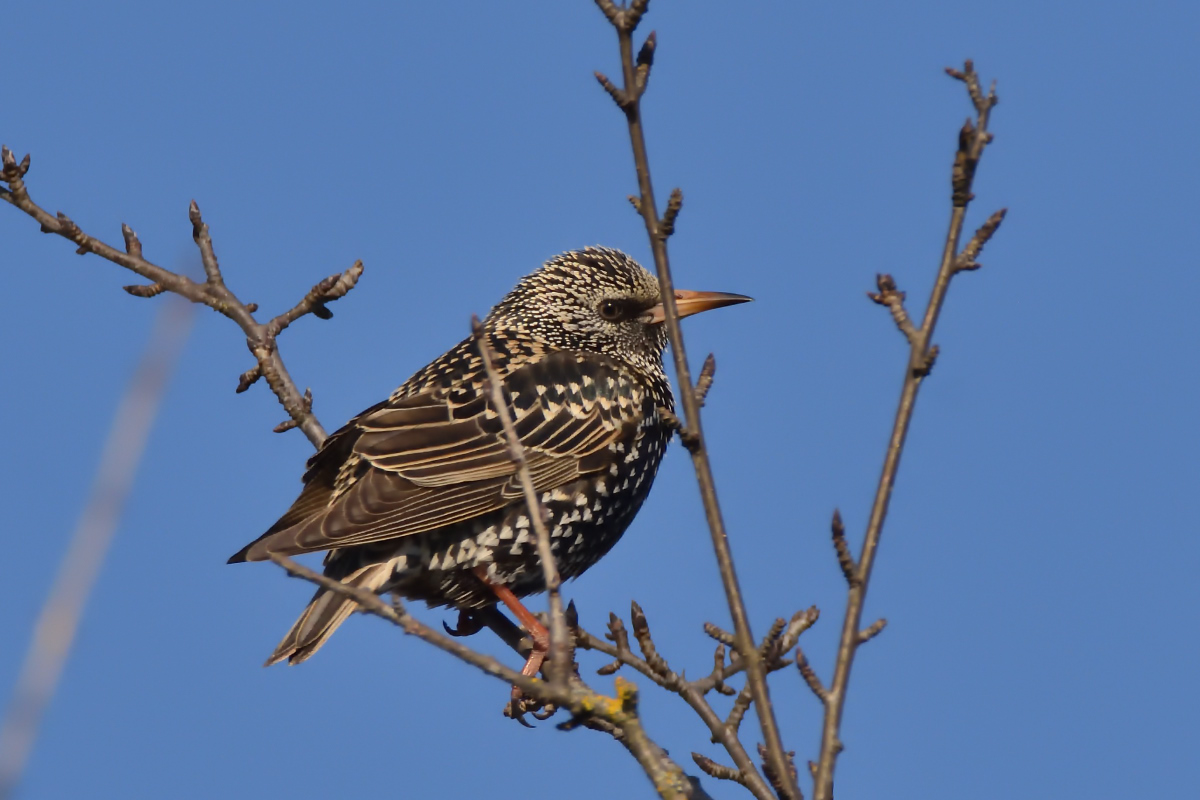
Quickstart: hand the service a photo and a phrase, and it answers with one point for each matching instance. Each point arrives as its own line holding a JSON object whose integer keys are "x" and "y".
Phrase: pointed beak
{"x": 688, "y": 303}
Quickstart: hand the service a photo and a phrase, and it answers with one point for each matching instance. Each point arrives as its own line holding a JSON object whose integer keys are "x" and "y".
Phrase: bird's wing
{"x": 438, "y": 457}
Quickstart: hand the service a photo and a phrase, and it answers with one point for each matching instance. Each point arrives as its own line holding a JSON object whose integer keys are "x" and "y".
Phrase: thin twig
{"x": 740, "y": 706}
{"x": 558, "y": 669}
{"x": 973, "y": 138}
{"x": 718, "y": 771}
{"x": 810, "y": 677}
{"x": 58, "y": 621}
{"x": 625, "y": 20}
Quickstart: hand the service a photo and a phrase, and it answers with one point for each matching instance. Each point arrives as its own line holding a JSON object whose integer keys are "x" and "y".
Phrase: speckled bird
{"x": 418, "y": 495}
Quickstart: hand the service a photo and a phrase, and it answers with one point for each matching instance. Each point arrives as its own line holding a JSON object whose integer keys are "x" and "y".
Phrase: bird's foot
{"x": 521, "y": 704}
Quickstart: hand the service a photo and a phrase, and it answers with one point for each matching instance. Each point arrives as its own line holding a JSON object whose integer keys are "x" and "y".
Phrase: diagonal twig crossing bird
{"x": 419, "y": 495}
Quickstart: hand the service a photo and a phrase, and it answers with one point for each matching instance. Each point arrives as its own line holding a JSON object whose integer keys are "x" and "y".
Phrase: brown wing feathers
{"x": 439, "y": 457}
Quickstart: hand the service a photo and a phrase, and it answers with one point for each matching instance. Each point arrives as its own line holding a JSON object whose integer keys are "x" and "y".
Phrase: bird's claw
{"x": 521, "y": 704}
{"x": 468, "y": 625}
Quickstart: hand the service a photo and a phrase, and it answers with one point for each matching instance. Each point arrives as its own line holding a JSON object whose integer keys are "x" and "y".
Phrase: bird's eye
{"x": 611, "y": 310}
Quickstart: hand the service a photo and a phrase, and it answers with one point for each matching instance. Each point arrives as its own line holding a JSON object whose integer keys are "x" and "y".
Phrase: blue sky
{"x": 1038, "y": 568}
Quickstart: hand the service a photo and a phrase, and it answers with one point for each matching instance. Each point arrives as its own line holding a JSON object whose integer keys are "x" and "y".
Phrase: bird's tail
{"x": 326, "y": 611}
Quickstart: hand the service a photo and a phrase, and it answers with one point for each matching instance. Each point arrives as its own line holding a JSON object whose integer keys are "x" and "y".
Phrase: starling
{"x": 418, "y": 495}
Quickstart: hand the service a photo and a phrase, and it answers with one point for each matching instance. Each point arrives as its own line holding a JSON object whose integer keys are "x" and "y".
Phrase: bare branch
{"x": 212, "y": 292}
{"x": 973, "y": 138}
{"x": 624, "y": 20}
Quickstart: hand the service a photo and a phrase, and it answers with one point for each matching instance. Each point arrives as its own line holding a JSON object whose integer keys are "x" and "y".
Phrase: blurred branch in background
{"x": 56, "y": 625}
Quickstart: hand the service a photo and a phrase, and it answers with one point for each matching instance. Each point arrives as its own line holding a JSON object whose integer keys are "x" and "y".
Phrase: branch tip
{"x": 667, "y": 226}
{"x": 11, "y": 170}
{"x": 718, "y": 771}
{"x": 810, "y": 677}
{"x": 771, "y": 638}
{"x": 151, "y": 290}
{"x": 966, "y": 259}
{"x": 870, "y": 633}
{"x": 619, "y": 96}
{"x": 844, "y": 557}
{"x": 705, "y": 381}
{"x": 799, "y": 623}
{"x": 722, "y": 636}
{"x": 645, "y": 60}
{"x": 248, "y": 379}
{"x": 645, "y": 56}
{"x": 133, "y": 245}
{"x": 738, "y": 712}
{"x": 893, "y": 299}
{"x": 719, "y": 670}
{"x": 641, "y": 632}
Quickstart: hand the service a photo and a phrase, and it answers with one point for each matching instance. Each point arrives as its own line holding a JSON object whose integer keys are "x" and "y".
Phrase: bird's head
{"x": 598, "y": 300}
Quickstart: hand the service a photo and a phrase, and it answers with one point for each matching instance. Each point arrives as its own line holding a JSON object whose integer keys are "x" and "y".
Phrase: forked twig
{"x": 212, "y": 292}
{"x": 973, "y": 138}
